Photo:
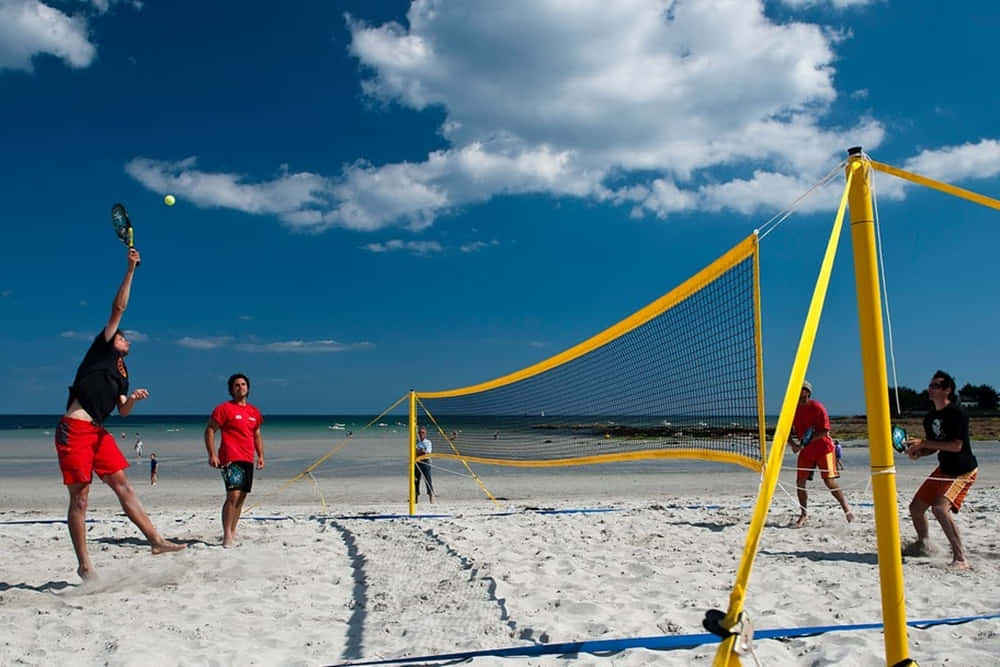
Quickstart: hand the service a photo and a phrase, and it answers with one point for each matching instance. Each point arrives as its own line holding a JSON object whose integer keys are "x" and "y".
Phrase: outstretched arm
{"x": 121, "y": 298}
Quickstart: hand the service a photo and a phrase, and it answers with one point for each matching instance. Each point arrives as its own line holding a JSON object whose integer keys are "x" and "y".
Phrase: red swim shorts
{"x": 817, "y": 454}
{"x": 951, "y": 487}
{"x": 85, "y": 448}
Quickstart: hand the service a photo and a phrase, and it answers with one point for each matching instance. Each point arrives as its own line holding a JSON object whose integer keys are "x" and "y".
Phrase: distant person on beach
{"x": 815, "y": 449}
{"x": 154, "y": 474}
{"x": 138, "y": 445}
{"x": 84, "y": 446}
{"x": 946, "y": 431}
{"x": 424, "y": 446}
{"x": 839, "y": 453}
{"x": 240, "y": 425}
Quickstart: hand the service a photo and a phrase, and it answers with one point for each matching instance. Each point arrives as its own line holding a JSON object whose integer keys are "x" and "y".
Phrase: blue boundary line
{"x": 663, "y": 642}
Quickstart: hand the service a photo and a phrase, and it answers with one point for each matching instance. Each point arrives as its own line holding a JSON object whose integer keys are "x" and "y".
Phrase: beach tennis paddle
{"x": 123, "y": 226}
{"x": 899, "y": 439}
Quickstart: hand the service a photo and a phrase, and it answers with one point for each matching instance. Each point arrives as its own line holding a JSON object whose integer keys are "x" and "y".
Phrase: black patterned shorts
{"x": 238, "y": 476}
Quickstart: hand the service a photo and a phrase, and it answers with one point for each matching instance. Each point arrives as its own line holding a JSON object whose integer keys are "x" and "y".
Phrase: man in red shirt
{"x": 815, "y": 449}
{"x": 240, "y": 424}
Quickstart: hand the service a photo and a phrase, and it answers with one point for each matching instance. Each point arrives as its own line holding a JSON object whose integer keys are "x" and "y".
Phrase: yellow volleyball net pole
{"x": 726, "y": 655}
{"x": 883, "y": 468}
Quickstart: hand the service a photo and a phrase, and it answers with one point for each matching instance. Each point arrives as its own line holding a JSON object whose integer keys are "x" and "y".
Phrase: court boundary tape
{"x": 662, "y": 642}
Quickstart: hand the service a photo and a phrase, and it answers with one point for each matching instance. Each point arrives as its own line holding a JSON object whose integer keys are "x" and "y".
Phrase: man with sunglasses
{"x": 946, "y": 431}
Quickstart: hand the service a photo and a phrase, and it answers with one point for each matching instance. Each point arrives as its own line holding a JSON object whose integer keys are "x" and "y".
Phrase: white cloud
{"x": 131, "y": 334}
{"x": 413, "y": 247}
{"x": 650, "y": 95}
{"x": 77, "y": 335}
{"x": 476, "y": 246}
{"x": 30, "y": 27}
{"x": 209, "y": 343}
{"x": 6, "y": 293}
{"x": 303, "y": 346}
{"x": 291, "y": 196}
{"x": 956, "y": 163}
{"x": 216, "y": 342}
{"x": 836, "y": 4}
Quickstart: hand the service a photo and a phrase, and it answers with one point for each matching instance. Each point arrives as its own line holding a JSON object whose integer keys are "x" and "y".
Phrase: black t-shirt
{"x": 950, "y": 423}
{"x": 100, "y": 380}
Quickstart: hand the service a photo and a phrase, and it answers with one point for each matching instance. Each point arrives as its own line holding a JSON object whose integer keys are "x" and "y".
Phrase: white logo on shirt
{"x": 936, "y": 429}
{"x": 239, "y": 416}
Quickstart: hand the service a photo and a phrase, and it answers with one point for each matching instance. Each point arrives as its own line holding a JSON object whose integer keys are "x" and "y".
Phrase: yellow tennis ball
{"x": 169, "y": 200}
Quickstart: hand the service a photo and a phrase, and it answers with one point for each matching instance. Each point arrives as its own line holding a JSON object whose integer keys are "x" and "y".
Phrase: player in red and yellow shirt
{"x": 241, "y": 440}
{"x": 815, "y": 449}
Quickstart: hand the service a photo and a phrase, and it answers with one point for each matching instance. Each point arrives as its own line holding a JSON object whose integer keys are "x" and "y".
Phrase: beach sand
{"x": 321, "y": 578}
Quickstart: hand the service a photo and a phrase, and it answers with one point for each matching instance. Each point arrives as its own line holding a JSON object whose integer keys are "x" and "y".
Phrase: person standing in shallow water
{"x": 946, "y": 432}
{"x": 241, "y": 439}
{"x": 82, "y": 443}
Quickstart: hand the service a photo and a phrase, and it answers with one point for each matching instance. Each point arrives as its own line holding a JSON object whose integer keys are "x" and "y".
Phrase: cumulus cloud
{"x": 294, "y": 197}
{"x": 968, "y": 161}
{"x": 655, "y": 105}
{"x": 30, "y": 27}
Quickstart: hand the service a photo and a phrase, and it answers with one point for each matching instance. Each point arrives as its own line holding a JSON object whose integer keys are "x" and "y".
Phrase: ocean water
{"x": 294, "y": 442}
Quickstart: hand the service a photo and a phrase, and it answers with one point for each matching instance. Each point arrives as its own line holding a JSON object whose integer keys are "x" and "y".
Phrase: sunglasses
{"x": 936, "y": 385}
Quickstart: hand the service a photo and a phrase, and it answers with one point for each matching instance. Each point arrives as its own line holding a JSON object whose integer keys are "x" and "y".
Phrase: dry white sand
{"x": 313, "y": 585}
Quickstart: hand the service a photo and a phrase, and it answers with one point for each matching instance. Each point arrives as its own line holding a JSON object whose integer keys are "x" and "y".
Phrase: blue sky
{"x": 374, "y": 196}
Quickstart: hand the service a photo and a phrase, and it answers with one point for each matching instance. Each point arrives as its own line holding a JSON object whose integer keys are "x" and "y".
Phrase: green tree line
{"x": 983, "y": 396}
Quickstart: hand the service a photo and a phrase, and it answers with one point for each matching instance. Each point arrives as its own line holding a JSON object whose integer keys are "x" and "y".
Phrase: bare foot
{"x": 801, "y": 521}
{"x": 167, "y": 547}
{"x": 86, "y": 572}
{"x": 959, "y": 565}
{"x": 849, "y": 515}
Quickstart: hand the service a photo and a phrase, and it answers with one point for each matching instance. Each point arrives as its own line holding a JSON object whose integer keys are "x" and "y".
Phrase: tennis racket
{"x": 123, "y": 226}
{"x": 899, "y": 439}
